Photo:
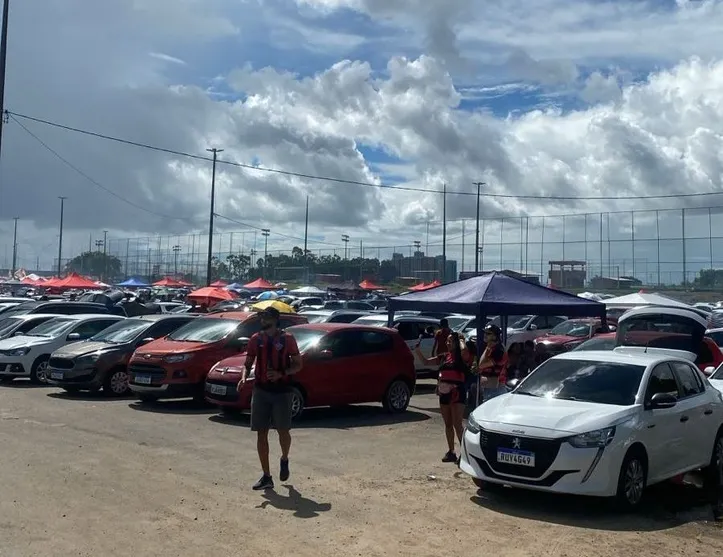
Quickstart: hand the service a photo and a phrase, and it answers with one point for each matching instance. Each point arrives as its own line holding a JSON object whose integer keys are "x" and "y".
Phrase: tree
{"x": 238, "y": 266}
{"x": 219, "y": 270}
{"x": 709, "y": 278}
{"x": 96, "y": 264}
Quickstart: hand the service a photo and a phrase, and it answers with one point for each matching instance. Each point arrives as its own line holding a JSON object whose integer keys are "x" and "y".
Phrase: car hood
{"x": 164, "y": 347}
{"x": 77, "y": 349}
{"x": 528, "y": 415}
{"x": 20, "y": 341}
{"x": 559, "y": 339}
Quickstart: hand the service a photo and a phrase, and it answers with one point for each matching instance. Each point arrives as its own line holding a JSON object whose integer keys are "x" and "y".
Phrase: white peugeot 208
{"x": 600, "y": 424}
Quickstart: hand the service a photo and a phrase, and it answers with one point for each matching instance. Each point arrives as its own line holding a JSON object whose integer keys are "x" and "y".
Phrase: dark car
{"x": 348, "y": 304}
{"x": 102, "y": 361}
{"x": 60, "y": 308}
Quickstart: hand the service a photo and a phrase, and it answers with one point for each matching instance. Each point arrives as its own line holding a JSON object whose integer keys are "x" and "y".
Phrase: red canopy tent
{"x": 261, "y": 284}
{"x": 369, "y": 285}
{"x": 73, "y": 280}
{"x": 209, "y": 295}
{"x": 418, "y": 287}
{"x": 167, "y": 281}
{"x": 219, "y": 284}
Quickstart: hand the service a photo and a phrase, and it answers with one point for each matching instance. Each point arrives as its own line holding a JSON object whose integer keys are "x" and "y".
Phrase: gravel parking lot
{"x": 82, "y": 475}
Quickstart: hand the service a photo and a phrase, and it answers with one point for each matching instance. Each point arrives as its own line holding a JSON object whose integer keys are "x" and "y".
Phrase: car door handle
{"x": 651, "y": 426}
{"x": 684, "y": 419}
{"x": 708, "y": 412}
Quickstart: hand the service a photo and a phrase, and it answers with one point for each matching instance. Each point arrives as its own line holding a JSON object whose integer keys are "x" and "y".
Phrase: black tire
{"x": 298, "y": 401}
{"x": 147, "y": 398}
{"x": 39, "y": 371}
{"x": 397, "y": 396}
{"x": 713, "y": 473}
{"x": 115, "y": 382}
{"x": 229, "y": 412}
{"x": 633, "y": 479}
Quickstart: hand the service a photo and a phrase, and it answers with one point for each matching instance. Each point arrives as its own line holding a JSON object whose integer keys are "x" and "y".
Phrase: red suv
{"x": 343, "y": 364}
{"x": 176, "y": 366}
{"x": 571, "y": 333}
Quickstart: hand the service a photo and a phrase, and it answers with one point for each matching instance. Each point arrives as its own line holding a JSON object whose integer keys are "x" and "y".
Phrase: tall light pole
{"x": 15, "y": 248}
{"x": 176, "y": 250}
{"x": 476, "y": 241}
{"x": 265, "y": 233}
{"x": 98, "y": 243}
{"x": 105, "y": 255}
{"x": 211, "y": 215}
{"x": 3, "y": 63}
{"x": 444, "y": 234}
{"x": 345, "y": 239}
{"x": 417, "y": 248}
{"x": 60, "y": 235}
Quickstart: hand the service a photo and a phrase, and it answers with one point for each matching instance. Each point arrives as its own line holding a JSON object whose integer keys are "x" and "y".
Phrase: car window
{"x": 690, "y": 382}
{"x": 660, "y": 331}
{"x": 705, "y": 354}
{"x": 597, "y": 344}
{"x": 409, "y": 330}
{"x": 717, "y": 337}
{"x": 373, "y": 342}
{"x": 334, "y": 305}
{"x": 359, "y": 305}
{"x": 344, "y": 318}
{"x": 540, "y": 322}
{"x": 342, "y": 344}
{"x": 166, "y": 327}
{"x": 91, "y": 328}
{"x": 31, "y": 324}
{"x": 662, "y": 381}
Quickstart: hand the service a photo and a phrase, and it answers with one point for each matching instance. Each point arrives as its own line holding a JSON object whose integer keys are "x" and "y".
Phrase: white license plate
{"x": 143, "y": 379}
{"x": 56, "y": 375}
{"x": 512, "y": 456}
{"x": 218, "y": 390}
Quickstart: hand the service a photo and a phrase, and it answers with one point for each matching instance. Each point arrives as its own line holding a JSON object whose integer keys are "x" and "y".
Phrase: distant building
{"x": 532, "y": 279}
{"x": 424, "y": 268}
{"x": 610, "y": 283}
{"x": 567, "y": 274}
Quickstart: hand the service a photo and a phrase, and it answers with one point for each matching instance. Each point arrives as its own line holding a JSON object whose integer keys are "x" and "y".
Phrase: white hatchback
{"x": 27, "y": 355}
{"x": 600, "y": 424}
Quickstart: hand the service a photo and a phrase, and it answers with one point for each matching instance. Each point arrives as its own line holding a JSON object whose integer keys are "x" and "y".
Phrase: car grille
{"x": 545, "y": 453}
{"x": 231, "y": 392}
{"x": 61, "y": 363}
{"x": 147, "y": 369}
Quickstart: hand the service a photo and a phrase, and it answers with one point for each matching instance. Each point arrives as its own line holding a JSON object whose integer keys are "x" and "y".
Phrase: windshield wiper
{"x": 526, "y": 393}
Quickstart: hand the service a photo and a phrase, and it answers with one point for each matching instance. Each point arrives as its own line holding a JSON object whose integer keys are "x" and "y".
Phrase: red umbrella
{"x": 261, "y": 284}
{"x": 369, "y": 285}
{"x": 219, "y": 284}
{"x": 167, "y": 281}
{"x": 209, "y": 295}
{"x": 73, "y": 280}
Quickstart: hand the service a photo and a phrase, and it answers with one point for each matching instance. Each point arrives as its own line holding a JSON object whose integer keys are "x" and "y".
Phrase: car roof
{"x": 236, "y": 315}
{"x": 689, "y": 313}
{"x": 31, "y": 316}
{"x": 162, "y": 316}
{"x": 613, "y": 356}
{"x": 331, "y": 327}
{"x": 88, "y": 316}
{"x": 717, "y": 330}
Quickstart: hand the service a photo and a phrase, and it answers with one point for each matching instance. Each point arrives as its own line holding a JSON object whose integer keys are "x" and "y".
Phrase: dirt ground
{"x": 87, "y": 476}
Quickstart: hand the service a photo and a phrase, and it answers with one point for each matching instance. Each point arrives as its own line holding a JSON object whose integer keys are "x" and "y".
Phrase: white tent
{"x": 307, "y": 291}
{"x": 643, "y": 299}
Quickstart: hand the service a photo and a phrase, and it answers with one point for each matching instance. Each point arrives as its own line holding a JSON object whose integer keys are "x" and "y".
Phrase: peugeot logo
{"x": 147, "y": 356}
{"x": 516, "y": 443}
{"x": 224, "y": 370}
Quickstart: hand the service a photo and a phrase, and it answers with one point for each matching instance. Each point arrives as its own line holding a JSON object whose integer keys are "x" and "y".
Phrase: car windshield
{"x": 572, "y": 329}
{"x": 718, "y": 373}
{"x": 20, "y": 309}
{"x": 123, "y": 331}
{"x": 316, "y": 317}
{"x": 53, "y": 327}
{"x": 597, "y": 344}
{"x": 204, "y": 330}
{"x": 660, "y": 331}
{"x": 7, "y": 326}
{"x": 456, "y": 322}
{"x": 306, "y": 338}
{"x": 513, "y": 321}
{"x": 584, "y": 381}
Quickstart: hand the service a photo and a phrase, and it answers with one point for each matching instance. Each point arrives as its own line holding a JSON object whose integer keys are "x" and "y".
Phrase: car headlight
{"x": 176, "y": 358}
{"x": 18, "y": 351}
{"x": 472, "y": 425}
{"x": 89, "y": 359}
{"x": 593, "y": 439}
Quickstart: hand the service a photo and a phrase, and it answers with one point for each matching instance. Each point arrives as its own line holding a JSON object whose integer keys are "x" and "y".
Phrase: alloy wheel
{"x": 296, "y": 404}
{"x": 398, "y": 395}
{"x": 41, "y": 372}
{"x": 634, "y": 482}
{"x": 119, "y": 383}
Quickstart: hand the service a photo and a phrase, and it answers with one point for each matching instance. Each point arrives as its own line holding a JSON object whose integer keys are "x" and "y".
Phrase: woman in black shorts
{"x": 452, "y": 390}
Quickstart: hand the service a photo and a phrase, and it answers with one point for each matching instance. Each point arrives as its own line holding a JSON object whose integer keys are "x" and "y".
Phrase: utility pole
{"x": 176, "y": 250}
{"x": 15, "y": 248}
{"x": 211, "y": 215}
{"x": 464, "y": 222}
{"x": 105, "y": 256}
{"x": 3, "y": 64}
{"x": 444, "y": 234}
{"x": 60, "y": 235}
{"x": 265, "y": 233}
{"x": 345, "y": 239}
{"x": 306, "y": 242}
{"x": 252, "y": 255}
{"x": 476, "y": 242}
{"x": 417, "y": 247}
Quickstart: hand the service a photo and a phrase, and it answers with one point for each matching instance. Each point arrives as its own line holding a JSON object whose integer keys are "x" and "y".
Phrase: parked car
{"x": 169, "y": 307}
{"x": 605, "y": 424}
{"x": 658, "y": 328}
{"x": 102, "y": 361}
{"x": 343, "y": 364}
{"x": 308, "y": 302}
{"x": 6, "y": 306}
{"x": 22, "y": 324}
{"x": 716, "y": 378}
{"x": 569, "y": 334}
{"x": 348, "y": 304}
{"x": 58, "y": 308}
{"x": 605, "y": 341}
{"x": 520, "y": 328}
{"x": 716, "y": 335}
{"x": 715, "y": 319}
{"x": 412, "y": 328}
{"x": 176, "y": 366}
{"x": 28, "y": 355}
{"x": 334, "y": 316}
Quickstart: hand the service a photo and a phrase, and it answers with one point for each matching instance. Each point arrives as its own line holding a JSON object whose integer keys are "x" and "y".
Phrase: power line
{"x": 345, "y": 181}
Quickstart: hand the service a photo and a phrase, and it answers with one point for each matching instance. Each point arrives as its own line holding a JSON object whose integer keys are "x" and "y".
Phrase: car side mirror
{"x": 512, "y": 384}
{"x": 709, "y": 370}
{"x": 533, "y": 327}
{"x": 661, "y": 401}
{"x": 145, "y": 341}
{"x": 18, "y": 334}
{"x": 326, "y": 355}
{"x": 241, "y": 343}
{"x": 74, "y": 336}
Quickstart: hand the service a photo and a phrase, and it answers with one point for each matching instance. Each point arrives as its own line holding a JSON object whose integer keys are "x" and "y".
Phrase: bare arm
{"x": 428, "y": 361}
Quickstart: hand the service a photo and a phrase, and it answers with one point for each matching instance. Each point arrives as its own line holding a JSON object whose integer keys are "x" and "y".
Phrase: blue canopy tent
{"x": 133, "y": 282}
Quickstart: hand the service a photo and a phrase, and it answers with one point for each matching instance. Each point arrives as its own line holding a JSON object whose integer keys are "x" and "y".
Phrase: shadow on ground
{"x": 343, "y": 417}
{"x": 666, "y": 506}
{"x": 303, "y": 507}
{"x": 96, "y": 396}
{"x": 181, "y": 406}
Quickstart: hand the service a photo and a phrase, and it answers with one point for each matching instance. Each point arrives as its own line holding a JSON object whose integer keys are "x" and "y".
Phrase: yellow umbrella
{"x": 280, "y": 306}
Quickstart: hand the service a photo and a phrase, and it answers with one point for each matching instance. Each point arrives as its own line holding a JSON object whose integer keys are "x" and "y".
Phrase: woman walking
{"x": 451, "y": 389}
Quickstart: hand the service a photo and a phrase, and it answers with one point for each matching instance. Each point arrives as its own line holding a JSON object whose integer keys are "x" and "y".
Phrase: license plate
{"x": 56, "y": 375}
{"x": 218, "y": 390}
{"x": 143, "y": 379}
{"x": 512, "y": 456}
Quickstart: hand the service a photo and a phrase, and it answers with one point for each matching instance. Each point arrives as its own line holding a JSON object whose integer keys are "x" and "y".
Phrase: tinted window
{"x": 122, "y": 331}
{"x": 31, "y": 324}
{"x": 166, "y": 327}
{"x": 342, "y": 344}
{"x": 662, "y": 381}
{"x": 360, "y": 305}
{"x": 597, "y": 344}
{"x": 8, "y": 326}
{"x": 344, "y": 318}
{"x": 410, "y": 330}
{"x": 718, "y": 373}
{"x": 572, "y": 328}
{"x": 91, "y": 328}
{"x": 717, "y": 337}
{"x": 53, "y": 327}
{"x": 585, "y": 380}
{"x": 373, "y": 342}
{"x": 690, "y": 383}
{"x": 22, "y": 309}
{"x": 334, "y": 305}
{"x": 660, "y": 331}
{"x": 705, "y": 355}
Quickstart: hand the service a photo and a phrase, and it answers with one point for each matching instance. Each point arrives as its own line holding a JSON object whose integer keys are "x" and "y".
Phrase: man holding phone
{"x": 277, "y": 358}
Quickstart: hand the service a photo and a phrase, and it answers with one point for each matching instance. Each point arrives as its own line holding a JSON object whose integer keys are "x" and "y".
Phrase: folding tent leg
{"x": 477, "y": 393}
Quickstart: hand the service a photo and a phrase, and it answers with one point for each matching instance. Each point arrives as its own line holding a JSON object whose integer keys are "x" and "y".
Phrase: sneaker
{"x": 450, "y": 457}
{"x": 284, "y": 472}
{"x": 266, "y": 482}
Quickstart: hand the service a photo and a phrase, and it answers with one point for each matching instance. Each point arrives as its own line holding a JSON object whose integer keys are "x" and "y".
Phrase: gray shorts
{"x": 270, "y": 409}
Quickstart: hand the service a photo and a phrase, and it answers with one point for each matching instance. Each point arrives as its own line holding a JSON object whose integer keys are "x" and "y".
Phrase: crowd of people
{"x": 465, "y": 380}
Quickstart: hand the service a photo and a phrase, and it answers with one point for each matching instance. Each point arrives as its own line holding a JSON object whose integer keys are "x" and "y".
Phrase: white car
{"x": 716, "y": 378}
{"x": 597, "y": 423}
{"x": 28, "y": 355}
{"x": 23, "y": 324}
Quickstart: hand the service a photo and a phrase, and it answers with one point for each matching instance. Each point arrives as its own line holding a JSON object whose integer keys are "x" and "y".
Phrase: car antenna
{"x": 646, "y": 347}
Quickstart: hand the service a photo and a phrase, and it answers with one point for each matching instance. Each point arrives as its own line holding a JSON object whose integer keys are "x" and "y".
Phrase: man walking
{"x": 277, "y": 358}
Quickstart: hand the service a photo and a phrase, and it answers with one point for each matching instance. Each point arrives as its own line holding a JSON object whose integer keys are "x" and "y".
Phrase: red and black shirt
{"x": 271, "y": 352}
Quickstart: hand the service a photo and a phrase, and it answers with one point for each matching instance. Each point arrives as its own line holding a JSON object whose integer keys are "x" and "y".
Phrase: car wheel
{"x": 714, "y": 471}
{"x": 230, "y": 412}
{"x": 116, "y": 382}
{"x": 297, "y": 403}
{"x": 632, "y": 480}
{"x": 39, "y": 371}
{"x": 397, "y": 397}
{"x": 147, "y": 399}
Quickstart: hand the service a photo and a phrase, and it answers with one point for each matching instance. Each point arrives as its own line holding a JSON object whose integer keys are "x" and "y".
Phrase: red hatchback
{"x": 343, "y": 364}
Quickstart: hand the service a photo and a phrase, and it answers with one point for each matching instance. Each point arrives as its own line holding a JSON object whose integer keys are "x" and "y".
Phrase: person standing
{"x": 277, "y": 358}
{"x": 439, "y": 348}
{"x": 493, "y": 364}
